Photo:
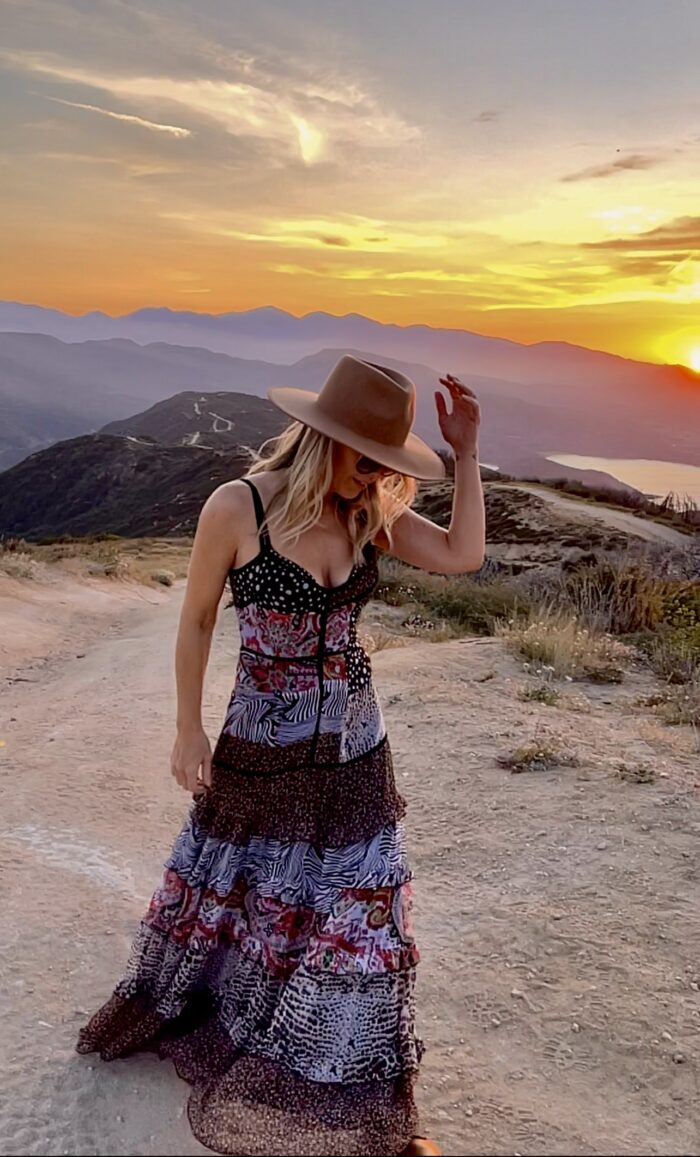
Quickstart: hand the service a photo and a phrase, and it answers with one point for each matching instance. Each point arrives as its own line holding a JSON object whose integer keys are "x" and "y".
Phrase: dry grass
{"x": 19, "y": 564}
{"x": 144, "y": 560}
{"x": 615, "y": 598}
{"x": 538, "y": 755}
{"x": 564, "y": 649}
{"x": 378, "y": 638}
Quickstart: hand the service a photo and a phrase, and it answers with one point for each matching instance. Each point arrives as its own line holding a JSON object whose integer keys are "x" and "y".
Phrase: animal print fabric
{"x": 276, "y": 961}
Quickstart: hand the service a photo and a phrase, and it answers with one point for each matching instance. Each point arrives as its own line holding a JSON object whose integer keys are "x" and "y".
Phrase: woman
{"x": 276, "y": 962}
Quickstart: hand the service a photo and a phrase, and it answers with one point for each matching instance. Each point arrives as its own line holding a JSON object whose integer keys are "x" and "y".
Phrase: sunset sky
{"x": 523, "y": 168}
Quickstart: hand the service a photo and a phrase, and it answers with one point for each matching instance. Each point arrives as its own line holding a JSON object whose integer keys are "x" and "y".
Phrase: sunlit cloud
{"x": 310, "y": 139}
{"x": 682, "y": 231}
{"x": 120, "y": 116}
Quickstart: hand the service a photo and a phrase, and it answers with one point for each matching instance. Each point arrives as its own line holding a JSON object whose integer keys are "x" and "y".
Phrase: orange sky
{"x": 534, "y": 177}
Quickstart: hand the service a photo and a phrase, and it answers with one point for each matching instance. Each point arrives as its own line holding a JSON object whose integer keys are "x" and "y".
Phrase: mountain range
{"x": 61, "y": 376}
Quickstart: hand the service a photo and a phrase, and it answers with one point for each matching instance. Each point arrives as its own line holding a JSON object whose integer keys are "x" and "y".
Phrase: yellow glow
{"x": 310, "y": 139}
{"x": 520, "y": 242}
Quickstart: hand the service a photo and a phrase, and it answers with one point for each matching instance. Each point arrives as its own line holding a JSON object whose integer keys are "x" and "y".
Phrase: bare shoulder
{"x": 230, "y": 498}
{"x": 229, "y": 509}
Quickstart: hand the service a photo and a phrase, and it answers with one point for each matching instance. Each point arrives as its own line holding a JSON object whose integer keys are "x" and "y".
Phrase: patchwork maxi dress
{"x": 276, "y": 962}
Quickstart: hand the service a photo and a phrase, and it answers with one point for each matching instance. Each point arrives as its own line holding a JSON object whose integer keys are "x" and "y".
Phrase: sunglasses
{"x": 365, "y": 465}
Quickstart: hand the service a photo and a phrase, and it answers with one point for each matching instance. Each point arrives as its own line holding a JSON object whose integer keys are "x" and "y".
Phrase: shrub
{"x": 681, "y": 605}
{"x": 639, "y": 773}
{"x": 542, "y": 693}
{"x": 458, "y": 603}
{"x": 166, "y": 577}
{"x": 673, "y": 652}
{"x": 676, "y": 705}
{"x": 476, "y": 607}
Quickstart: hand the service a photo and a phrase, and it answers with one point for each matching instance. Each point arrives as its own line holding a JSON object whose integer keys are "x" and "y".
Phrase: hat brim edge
{"x": 414, "y": 458}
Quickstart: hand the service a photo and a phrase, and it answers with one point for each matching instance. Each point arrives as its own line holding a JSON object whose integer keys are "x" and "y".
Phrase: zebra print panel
{"x": 281, "y": 718}
{"x": 294, "y": 872}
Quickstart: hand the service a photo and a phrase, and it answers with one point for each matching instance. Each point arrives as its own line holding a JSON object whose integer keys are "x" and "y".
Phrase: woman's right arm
{"x": 213, "y": 553}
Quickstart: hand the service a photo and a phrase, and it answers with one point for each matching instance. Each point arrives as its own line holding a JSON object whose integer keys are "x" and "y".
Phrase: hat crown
{"x": 371, "y": 400}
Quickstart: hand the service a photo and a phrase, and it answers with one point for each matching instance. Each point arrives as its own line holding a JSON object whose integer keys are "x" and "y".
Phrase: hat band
{"x": 389, "y": 430}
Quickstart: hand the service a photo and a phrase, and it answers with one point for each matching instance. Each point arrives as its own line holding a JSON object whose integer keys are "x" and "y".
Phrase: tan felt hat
{"x": 370, "y": 408}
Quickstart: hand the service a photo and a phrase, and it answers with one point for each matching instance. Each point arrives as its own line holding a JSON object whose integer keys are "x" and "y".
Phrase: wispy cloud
{"x": 120, "y": 116}
{"x": 632, "y": 163}
{"x": 308, "y": 120}
{"x": 487, "y": 116}
{"x": 346, "y": 232}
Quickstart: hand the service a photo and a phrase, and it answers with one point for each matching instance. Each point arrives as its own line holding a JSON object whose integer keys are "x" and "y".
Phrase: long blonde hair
{"x": 307, "y": 456}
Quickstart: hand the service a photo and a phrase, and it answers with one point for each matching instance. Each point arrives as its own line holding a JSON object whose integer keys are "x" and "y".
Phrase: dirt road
{"x": 558, "y": 913}
{"x": 577, "y": 510}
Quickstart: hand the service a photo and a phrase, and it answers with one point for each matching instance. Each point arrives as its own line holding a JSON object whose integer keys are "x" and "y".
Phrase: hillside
{"x": 218, "y": 420}
{"x": 134, "y": 487}
{"x": 105, "y": 484}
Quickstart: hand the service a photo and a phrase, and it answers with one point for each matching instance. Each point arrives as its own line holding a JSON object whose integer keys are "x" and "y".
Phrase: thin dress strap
{"x": 259, "y": 512}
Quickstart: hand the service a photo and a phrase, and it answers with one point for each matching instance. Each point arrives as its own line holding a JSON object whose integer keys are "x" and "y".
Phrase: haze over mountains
{"x": 62, "y": 376}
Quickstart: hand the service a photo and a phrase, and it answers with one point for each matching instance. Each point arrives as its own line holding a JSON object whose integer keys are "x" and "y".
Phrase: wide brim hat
{"x": 370, "y": 408}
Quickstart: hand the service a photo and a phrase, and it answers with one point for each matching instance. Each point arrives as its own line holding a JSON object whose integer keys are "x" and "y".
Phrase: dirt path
{"x": 558, "y": 913}
{"x": 575, "y": 509}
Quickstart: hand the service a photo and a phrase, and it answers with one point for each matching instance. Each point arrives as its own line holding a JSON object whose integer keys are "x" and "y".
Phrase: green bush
{"x": 477, "y": 607}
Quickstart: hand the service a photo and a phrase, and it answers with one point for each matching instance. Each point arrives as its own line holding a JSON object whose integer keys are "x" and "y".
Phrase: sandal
{"x": 421, "y": 1147}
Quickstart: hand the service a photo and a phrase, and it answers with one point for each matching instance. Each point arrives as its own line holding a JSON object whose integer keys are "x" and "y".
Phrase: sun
{"x": 694, "y": 359}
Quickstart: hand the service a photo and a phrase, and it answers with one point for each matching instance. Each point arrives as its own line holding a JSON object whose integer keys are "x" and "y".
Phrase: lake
{"x": 645, "y": 474}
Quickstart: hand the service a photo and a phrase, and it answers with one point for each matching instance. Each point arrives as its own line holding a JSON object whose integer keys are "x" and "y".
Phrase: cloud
{"x": 120, "y": 116}
{"x": 288, "y": 109}
{"x": 667, "y": 256}
{"x": 487, "y": 116}
{"x": 340, "y": 242}
{"x": 632, "y": 163}
{"x": 680, "y": 233}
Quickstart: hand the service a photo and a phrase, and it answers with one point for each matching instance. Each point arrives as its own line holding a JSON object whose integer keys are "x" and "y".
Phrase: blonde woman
{"x": 276, "y": 962}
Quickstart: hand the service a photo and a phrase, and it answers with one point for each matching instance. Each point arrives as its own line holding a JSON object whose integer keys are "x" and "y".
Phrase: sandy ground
{"x": 558, "y": 912}
{"x": 643, "y": 528}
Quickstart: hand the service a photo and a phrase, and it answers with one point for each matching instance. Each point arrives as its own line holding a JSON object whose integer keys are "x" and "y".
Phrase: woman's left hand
{"x": 460, "y": 429}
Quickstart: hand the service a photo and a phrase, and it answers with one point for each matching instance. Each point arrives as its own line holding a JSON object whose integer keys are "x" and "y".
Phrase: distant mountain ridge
{"x": 273, "y": 335}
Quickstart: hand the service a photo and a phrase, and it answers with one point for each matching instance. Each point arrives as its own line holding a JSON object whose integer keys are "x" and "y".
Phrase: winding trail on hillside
{"x": 557, "y": 912}
{"x": 580, "y": 511}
